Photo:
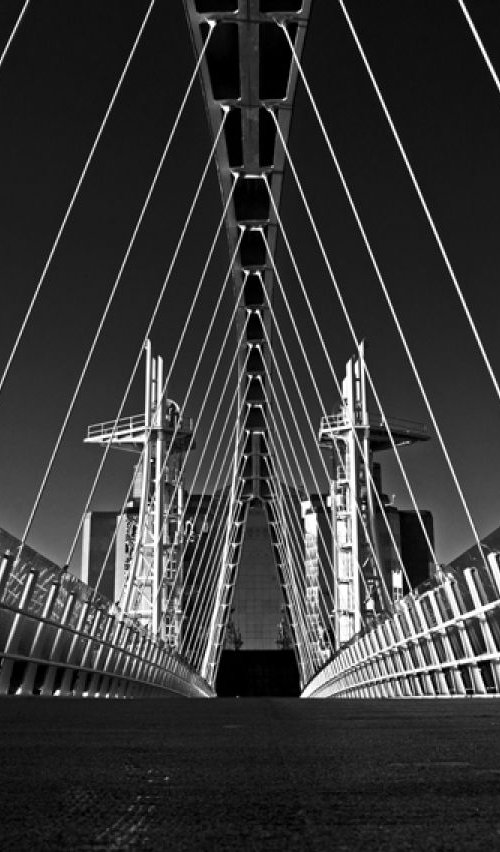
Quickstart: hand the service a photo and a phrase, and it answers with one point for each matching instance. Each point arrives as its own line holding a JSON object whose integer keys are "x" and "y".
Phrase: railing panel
{"x": 14, "y": 587}
{"x": 443, "y": 603}
{"x": 494, "y": 625}
{"x": 24, "y": 637}
{"x": 46, "y": 641}
{"x": 476, "y": 637}
{"x": 6, "y": 621}
{"x": 55, "y": 633}
{"x": 442, "y": 640}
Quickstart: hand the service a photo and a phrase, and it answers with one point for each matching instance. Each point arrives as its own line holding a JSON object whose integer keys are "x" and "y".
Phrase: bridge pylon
{"x": 152, "y": 574}
{"x": 365, "y": 580}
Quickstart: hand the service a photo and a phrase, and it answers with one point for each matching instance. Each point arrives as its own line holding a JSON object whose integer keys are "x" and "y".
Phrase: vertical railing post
{"x": 475, "y": 674}
{"x": 402, "y": 651}
{"x": 31, "y": 670}
{"x": 77, "y": 634}
{"x": 96, "y": 681}
{"x": 493, "y": 559}
{"x": 477, "y": 594}
{"x": 12, "y": 637}
{"x": 5, "y": 568}
{"x": 48, "y": 683}
{"x": 440, "y": 678}
{"x": 447, "y": 646}
{"x": 90, "y": 639}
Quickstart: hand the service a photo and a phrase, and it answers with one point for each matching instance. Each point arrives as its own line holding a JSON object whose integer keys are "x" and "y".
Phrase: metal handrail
{"x": 135, "y": 423}
{"x": 335, "y": 421}
{"x": 128, "y": 424}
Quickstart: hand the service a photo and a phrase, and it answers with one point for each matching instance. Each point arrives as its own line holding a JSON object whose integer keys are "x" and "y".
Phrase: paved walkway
{"x": 252, "y": 774}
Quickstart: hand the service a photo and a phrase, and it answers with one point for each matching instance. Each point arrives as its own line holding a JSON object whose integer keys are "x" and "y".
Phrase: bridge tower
{"x": 347, "y": 434}
{"x": 152, "y": 573}
{"x": 364, "y": 581}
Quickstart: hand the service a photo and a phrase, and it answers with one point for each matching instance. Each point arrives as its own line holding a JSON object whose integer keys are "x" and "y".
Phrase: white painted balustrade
{"x": 442, "y": 640}
{"x": 57, "y": 638}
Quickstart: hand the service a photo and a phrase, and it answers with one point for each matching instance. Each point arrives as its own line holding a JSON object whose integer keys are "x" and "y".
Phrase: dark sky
{"x": 55, "y": 85}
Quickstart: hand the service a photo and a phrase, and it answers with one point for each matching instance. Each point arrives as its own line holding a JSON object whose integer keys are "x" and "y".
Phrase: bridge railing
{"x": 137, "y": 423}
{"x": 340, "y": 420}
{"x": 133, "y": 426}
{"x": 442, "y": 640}
{"x": 57, "y": 637}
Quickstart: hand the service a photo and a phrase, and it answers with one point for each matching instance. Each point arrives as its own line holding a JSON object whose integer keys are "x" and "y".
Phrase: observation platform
{"x": 130, "y": 433}
{"x": 403, "y": 432}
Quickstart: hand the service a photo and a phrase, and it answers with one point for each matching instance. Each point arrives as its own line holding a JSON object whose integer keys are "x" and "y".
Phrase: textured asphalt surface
{"x": 259, "y": 774}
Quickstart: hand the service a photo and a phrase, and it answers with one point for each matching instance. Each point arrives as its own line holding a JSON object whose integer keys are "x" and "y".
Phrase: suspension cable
{"x": 206, "y": 565}
{"x": 108, "y": 307}
{"x": 200, "y": 646}
{"x": 290, "y": 366}
{"x": 14, "y": 31}
{"x": 222, "y": 492}
{"x": 423, "y": 203}
{"x": 292, "y": 549}
{"x": 193, "y": 377}
{"x": 354, "y": 336}
{"x": 214, "y": 454}
{"x": 205, "y": 398}
{"x": 204, "y": 589}
{"x": 193, "y": 630}
{"x": 299, "y": 468}
{"x": 221, "y": 467}
{"x": 148, "y": 329}
{"x": 306, "y": 454}
{"x": 480, "y": 43}
{"x": 74, "y": 197}
{"x": 229, "y": 570}
{"x": 229, "y": 327}
{"x": 235, "y": 435}
{"x": 337, "y": 382}
{"x": 301, "y": 476}
{"x": 198, "y": 364}
{"x": 356, "y": 437}
{"x": 164, "y": 389}
{"x": 288, "y": 522}
{"x": 290, "y": 542}
{"x": 202, "y": 608}
{"x": 295, "y": 600}
{"x": 197, "y": 623}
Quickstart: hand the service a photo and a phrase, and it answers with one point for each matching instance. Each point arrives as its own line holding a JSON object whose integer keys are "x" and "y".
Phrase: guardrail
{"x": 124, "y": 424}
{"x": 57, "y": 638}
{"x": 396, "y": 424}
{"x": 443, "y": 640}
{"x": 135, "y": 424}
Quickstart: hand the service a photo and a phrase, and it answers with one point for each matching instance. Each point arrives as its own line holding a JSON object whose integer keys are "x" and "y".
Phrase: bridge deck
{"x": 251, "y": 774}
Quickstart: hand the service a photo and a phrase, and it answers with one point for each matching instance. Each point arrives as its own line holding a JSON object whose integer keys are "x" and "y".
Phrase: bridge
{"x": 368, "y": 607}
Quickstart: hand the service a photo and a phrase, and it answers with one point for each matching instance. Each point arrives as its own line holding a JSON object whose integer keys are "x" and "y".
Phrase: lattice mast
{"x": 353, "y": 516}
{"x": 317, "y": 639}
{"x": 366, "y": 578}
{"x": 153, "y": 545}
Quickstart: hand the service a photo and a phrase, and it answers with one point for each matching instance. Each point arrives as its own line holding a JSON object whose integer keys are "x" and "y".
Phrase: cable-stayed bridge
{"x": 358, "y": 618}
